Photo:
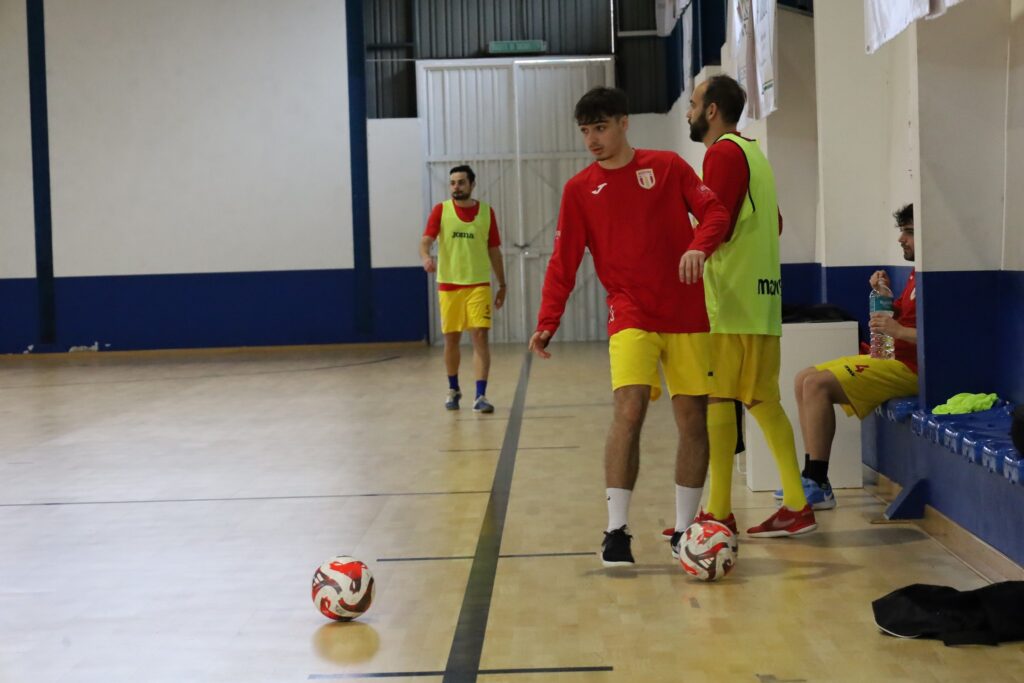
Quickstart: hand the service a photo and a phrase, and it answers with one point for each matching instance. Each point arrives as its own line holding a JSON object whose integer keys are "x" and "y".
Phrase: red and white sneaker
{"x": 702, "y": 516}
{"x": 785, "y": 522}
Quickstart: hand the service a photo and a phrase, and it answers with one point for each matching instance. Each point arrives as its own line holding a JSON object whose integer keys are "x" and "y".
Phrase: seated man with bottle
{"x": 860, "y": 383}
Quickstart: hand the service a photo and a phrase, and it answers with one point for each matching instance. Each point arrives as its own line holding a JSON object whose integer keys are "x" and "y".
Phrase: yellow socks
{"x": 778, "y": 432}
{"x": 722, "y": 440}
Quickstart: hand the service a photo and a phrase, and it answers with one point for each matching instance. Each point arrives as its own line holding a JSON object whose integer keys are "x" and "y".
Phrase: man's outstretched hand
{"x": 539, "y": 343}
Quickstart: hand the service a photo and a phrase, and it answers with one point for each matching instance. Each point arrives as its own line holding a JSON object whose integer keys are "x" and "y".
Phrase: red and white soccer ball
{"x": 708, "y": 550}
{"x": 342, "y": 588}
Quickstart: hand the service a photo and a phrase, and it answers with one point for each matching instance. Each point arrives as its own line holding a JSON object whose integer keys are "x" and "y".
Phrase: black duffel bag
{"x": 985, "y": 616}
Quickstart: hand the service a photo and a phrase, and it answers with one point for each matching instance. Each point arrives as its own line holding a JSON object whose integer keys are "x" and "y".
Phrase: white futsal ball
{"x": 342, "y": 588}
{"x": 708, "y": 550}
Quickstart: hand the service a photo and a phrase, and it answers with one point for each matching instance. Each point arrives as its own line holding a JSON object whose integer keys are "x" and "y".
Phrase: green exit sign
{"x": 517, "y": 47}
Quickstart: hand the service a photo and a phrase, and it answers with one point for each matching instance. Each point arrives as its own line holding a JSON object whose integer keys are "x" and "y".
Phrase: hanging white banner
{"x": 750, "y": 39}
{"x": 886, "y": 19}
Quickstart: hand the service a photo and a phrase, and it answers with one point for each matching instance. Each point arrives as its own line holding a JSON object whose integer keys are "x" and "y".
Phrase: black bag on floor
{"x": 985, "y": 616}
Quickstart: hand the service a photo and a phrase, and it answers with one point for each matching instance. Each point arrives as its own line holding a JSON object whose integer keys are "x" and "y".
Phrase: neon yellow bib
{"x": 742, "y": 279}
{"x": 462, "y": 256}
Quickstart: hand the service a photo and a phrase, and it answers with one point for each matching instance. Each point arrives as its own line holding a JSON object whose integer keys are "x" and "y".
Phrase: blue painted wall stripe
{"x": 1010, "y": 335}
{"x": 198, "y": 310}
{"x": 801, "y": 283}
{"x": 45, "y": 291}
{"x": 19, "y": 315}
{"x": 362, "y": 301}
{"x": 847, "y": 287}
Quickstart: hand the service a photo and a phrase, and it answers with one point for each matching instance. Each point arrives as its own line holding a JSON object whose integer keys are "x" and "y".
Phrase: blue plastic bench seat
{"x": 899, "y": 409}
{"x": 993, "y": 455}
{"x": 1013, "y": 467}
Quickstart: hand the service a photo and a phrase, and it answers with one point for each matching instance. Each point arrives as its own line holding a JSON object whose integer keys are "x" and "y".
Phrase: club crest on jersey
{"x": 645, "y": 177}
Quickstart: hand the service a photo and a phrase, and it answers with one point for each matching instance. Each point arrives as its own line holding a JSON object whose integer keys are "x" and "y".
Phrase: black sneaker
{"x": 615, "y": 550}
{"x": 677, "y": 536}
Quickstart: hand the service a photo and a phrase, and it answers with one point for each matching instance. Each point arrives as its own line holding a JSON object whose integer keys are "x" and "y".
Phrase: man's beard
{"x": 460, "y": 195}
{"x": 699, "y": 128}
{"x": 908, "y": 255}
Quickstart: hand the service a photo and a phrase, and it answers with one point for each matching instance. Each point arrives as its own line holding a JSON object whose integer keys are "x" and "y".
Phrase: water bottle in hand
{"x": 882, "y": 345}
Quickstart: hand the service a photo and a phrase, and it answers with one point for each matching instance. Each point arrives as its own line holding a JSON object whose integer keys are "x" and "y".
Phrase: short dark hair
{"x": 725, "y": 92}
{"x": 904, "y": 216}
{"x": 601, "y": 103}
{"x": 464, "y": 168}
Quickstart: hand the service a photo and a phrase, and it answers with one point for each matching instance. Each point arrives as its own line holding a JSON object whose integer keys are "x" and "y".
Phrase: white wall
{"x": 867, "y": 164}
{"x": 792, "y": 136}
{"x": 397, "y": 170}
{"x": 17, "y": 223}
{"x": 962, "y": 60}
{"x": 666, "y": 131}
{"x": 788, "y": 137}
{"x": 198, "y": 136}
{"x": 1013, "y": 258}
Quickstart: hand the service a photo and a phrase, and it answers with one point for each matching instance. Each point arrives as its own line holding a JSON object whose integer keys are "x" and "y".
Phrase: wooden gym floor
{"x": 161, "y": 516}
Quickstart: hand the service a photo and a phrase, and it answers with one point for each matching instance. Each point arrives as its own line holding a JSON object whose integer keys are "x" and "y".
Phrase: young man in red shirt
{"x": 858, "y": 383}
{"x": 631, "y": 210}
{"x": 468, "y": 249}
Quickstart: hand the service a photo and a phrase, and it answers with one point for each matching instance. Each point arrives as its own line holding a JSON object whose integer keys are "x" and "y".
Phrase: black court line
{"x": 521, "y": 417}
{"x": 589, "y": 553}
{"x": 570, "y": 405}
{"x": 467, "y": 450}
{"x": 547, "y": 670}
{"x": 464, "y": 657}
{"x": 246, "y": 498}
{"x": 522, "y": 448}
{"x": 424, "y": 559}
{"x": 483, "y": 672}
{"x": 214, "y": 376}
{"x": 470, "y": 557}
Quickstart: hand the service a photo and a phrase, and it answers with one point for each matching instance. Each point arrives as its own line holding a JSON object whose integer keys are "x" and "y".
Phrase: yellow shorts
{"x": 746, "y": 367}
{"x": 868, "y": 382}
{"x": 685, "y": 360}
{"x": 464, "y": 309}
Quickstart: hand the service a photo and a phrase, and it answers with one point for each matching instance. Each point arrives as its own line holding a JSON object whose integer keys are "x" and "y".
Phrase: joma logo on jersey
{"x": 467, "y": 235}
{"x": 769, "y": 287}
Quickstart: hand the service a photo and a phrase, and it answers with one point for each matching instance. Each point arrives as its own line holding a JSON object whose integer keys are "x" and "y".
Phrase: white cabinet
{"x": 804, "y": 345}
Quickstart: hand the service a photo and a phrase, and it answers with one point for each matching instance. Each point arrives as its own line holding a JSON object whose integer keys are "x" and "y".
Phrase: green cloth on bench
{"x": 966, "y": 403}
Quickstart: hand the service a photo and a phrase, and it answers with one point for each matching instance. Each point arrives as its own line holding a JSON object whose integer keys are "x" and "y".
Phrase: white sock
{"x": 687, "y": 502}
{"x": 618, "y": 508}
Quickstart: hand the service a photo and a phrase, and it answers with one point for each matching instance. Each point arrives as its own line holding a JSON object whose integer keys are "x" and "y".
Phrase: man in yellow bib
{"x": 743, "y": 289}
{"x": 468, "y": 248}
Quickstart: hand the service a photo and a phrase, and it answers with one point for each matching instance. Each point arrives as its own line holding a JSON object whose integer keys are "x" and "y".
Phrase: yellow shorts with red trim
{"x": 868, "y": 382}
{"x": 464, "y": 309}
{"x": 746, "y": 367}
{"x": 685, "y": 360}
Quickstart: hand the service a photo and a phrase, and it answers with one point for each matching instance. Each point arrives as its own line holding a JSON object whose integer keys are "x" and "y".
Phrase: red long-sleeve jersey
{"x": 635, "y": 222}
{"x": 905, "y": 311}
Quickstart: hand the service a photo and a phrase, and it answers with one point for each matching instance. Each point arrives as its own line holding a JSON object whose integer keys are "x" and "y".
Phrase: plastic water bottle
{"x": 882, "y": 345}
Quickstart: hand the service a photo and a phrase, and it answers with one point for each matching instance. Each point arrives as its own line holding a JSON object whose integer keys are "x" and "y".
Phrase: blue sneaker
{"x": 452, "y": 402}
{"x": 819, "y": 497}
{"x": 482, "y": 405}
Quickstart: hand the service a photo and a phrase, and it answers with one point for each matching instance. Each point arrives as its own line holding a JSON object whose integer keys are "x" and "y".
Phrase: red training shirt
{"x": 905, "y": 312}
{"x": 635, "y": 222}
{"x": 466, "y": 214}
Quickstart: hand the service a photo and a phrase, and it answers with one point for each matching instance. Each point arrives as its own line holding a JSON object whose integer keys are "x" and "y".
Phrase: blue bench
{"x": 964, "y": 466}
{"x": 982, "y": 438}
